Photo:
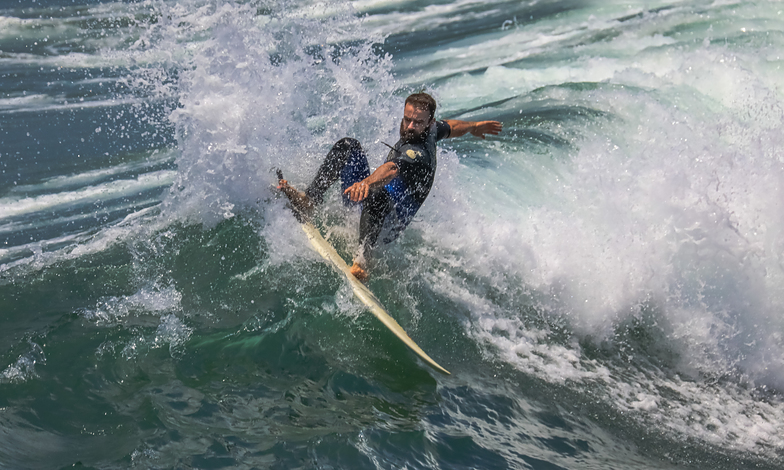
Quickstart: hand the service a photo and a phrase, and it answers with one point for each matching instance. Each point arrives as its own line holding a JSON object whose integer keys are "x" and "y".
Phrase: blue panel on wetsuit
{"x": 404, "y": 200}
{"x": 405, "y": 205}
{"x": 355, "y": 170}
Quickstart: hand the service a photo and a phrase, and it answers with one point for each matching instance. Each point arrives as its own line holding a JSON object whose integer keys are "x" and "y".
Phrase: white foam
{"x": 52, "y": 31}
{"x": 151, "y": 299}
{"x": 172, "y": 331}
{"x": 135, "y": 226}
{"x": 22, "y": 101}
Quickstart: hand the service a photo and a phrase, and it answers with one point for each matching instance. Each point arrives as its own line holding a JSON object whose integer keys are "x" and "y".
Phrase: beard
{"x": 413, "y": 137}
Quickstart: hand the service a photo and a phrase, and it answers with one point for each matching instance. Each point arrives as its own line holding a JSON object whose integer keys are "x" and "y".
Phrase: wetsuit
{"x": 392, "y": 207}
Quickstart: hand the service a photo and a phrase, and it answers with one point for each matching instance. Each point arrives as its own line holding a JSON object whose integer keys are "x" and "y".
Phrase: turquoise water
{"x": 603, "y": 279}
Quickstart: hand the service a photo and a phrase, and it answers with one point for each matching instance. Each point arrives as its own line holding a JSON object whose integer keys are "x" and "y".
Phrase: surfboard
{"x": 361, "y": 291}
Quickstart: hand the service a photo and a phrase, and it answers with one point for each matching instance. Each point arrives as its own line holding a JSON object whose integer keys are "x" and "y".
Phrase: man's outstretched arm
{"x": 477, "y": 128}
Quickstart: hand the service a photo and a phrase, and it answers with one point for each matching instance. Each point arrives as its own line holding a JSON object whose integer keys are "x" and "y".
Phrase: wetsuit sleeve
{"x": 443, "y": 130}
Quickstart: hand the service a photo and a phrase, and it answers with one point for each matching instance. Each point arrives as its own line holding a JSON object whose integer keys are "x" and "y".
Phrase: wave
{"x": 14, "y": 207}
{"x": 621, "y": 239}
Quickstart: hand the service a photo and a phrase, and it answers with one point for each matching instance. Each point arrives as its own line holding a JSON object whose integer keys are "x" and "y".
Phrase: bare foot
{"x": 298, "y": 199}
{"x": 359, "y": 272}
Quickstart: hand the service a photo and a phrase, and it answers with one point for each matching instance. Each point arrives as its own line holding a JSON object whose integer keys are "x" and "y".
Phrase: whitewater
{"x": 603, "y": 279}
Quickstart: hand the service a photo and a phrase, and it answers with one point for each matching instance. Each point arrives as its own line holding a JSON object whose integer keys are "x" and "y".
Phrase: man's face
{"x": 413, "y": 127}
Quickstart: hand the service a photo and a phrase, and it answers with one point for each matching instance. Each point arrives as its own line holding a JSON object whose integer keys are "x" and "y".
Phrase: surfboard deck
{"x": 328, "y": 252}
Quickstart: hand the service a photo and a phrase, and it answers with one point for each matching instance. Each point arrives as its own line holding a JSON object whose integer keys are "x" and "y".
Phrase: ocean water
{"x": 604, "y": 280}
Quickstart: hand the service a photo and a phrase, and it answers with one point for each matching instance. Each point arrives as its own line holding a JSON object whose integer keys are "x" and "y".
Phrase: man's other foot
{"x": 359, "y": 272}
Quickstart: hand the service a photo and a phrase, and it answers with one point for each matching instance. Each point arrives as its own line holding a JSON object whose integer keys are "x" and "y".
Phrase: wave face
{"x": 603, "y": 279}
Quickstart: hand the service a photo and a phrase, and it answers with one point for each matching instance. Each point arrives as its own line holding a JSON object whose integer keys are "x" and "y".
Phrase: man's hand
{"x": 482, "y": 128}
{"x": 361, "y": 190}
{"x": 358, "y": 191}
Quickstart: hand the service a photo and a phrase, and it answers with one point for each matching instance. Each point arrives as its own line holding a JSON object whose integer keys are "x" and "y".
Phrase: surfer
{"x": 395, "y": 191}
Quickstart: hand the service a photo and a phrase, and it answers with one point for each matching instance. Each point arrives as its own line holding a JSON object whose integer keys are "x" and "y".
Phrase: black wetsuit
{"x": 392, "y": 207}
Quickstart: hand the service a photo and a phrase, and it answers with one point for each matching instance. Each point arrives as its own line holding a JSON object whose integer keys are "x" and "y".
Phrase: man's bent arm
{"x": 383, "y": 175}
{"x": 477, "y": 128}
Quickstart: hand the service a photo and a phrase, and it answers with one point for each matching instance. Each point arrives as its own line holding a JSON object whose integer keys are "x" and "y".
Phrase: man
{"x": 392, "y": 194}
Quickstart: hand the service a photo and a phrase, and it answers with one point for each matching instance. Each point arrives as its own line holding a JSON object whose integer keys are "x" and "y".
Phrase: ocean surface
{"x": 604, "y": 280}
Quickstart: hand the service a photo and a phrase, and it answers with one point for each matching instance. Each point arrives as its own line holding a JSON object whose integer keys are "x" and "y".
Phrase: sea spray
{"x": 259, "y": 88}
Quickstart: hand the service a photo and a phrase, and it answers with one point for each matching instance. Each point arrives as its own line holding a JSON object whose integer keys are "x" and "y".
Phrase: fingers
{"x": 492, "y": 127}
{"x": 488, "y": 127}
{"x": 358, "y": 191}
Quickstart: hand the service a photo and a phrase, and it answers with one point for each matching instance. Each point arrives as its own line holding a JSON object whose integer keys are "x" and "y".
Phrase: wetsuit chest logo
{"x": 412, "y": 154}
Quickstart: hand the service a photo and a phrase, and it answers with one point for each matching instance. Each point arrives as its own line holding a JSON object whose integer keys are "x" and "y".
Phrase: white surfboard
{"x": 363, "y": 293}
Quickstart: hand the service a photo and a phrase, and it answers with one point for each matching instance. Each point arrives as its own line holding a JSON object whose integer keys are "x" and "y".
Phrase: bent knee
{"x": 347, "y": 143}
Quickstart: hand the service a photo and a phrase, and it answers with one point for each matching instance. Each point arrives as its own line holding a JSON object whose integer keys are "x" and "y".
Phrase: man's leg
{"x": 345, "y": 161}
{"x": 374, "y": 210}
